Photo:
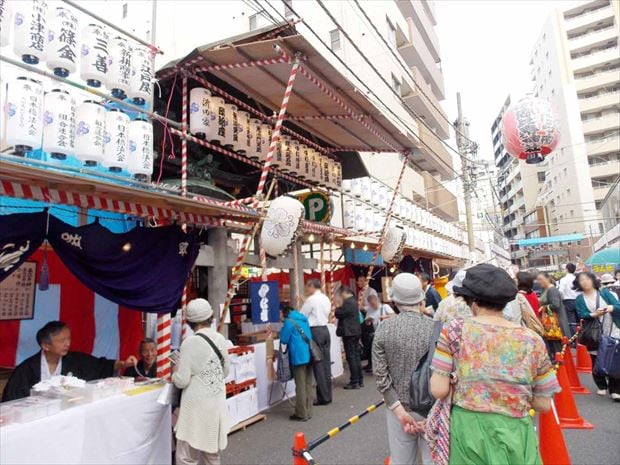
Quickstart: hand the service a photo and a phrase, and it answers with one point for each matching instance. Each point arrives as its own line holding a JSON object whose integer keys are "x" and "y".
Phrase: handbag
{"x": 315, "y": 351}
{"x": 608, "y": 355}
{"x": 283, "y": 366}
{"x": 420, "y": 398}
{"x": 591, "y": 330}
{"x": 550, "y": 323}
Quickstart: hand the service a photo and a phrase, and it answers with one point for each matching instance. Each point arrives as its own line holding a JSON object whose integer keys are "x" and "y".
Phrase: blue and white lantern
{"x": 24, "y": 114}
{"x": 94, "y": 55}
{"x": 29, "y": 34}
{"x": 231, "y": 138}
{"x": 89, "y": 132}
{"x": 58, "y": 124}
{"x": 254, "y": 140}
{"x": 6, "y": 16}
{"x": 141, "y": 79}
{"x": 116, "y": 141}
{"x": 119, "y": 67}
{"x": 141, "y": 149}
{"x": 200, "y": 112}
{"x": 62, "y": 42}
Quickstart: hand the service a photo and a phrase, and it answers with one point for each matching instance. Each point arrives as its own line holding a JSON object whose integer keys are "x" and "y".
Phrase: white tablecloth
{"x": 119, "y": 430}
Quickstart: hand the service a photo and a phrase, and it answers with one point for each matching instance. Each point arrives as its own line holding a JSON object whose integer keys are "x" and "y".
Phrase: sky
{"x": 485, "y": 47}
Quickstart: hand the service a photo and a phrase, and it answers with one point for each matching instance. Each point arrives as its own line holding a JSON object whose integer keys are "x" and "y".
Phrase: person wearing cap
{"x": 454, "y": 305}
{"x": 500, "y": 369}
{"x": 202, "y": 427}
{"x": 609, "y": 283}
{"x": 399, "y": 344}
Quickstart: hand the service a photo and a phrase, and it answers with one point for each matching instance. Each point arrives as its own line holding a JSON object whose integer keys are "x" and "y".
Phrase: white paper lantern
{"x": 311, "y": 163}
{"x": 360, "y": 210}
{"x": 89, "y": 132}
{"x": 231, "y": 137}
{"x": 368, "y": 219}
{"x": 295, "y": 157}
{"x": 286, "y": 164}
{"x": 321, "y": 168}
{"x": 244, "y": 132}
{"x": 141, "y": 149}
{"x": 304, "y": 162}
{"x": 281, "y": 225}
{"x": 393, "y": 244}
{"x": 348, "y": 215}
{"x": 254, "y": 138}
{"x": 141, "y": 78}
{"x": 6, "y": 17}
{"x": 387, "y": 197}
{"x": 347, "y": 185}
{"x": 327, "y": 171}
{"x": 119, "y": 67}
{"x": 116, "y": 141}
{"x": 24, "y": 114}
{"x": 377, "y": 222}
{"x": 29, "y": 33}
{"x": 62, "y": 42}
{"x": 263, "y": 141}
{"x": 200, "y": 112}
{"x": 217, "y": 130}
{"x": 94, "y": 55}
{"x": 58, "y": 124}
{"x": 337, "y": 174}
{"x": 356, "y": 187}
{"x": 366, "y": 189}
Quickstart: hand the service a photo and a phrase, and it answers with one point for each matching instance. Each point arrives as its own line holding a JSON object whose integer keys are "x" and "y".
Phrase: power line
{"x": 383, "y": 104}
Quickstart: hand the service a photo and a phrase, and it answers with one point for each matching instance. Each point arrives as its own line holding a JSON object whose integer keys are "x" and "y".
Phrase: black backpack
{"x": 420, "y": 398}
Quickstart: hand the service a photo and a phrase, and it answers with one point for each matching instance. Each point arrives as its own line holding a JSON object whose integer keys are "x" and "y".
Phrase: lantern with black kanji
{"x": 530, "y": 130}
{"x": 6, "y": 15}
{"x": 119, "y": 67}
{"x": 200, "y": 112}
{"x": 141, "y": 148}
{"x": 89, "y": 132}
{"x": 141, "y": 79}
{"x": 29, "y": 33}
{"x": 116, "y": 141}
{"x": 23, "y": 114}
{"x": 62, "y": 45}
{"x": 58, "y": 124}
{"x": 94, "y": 55}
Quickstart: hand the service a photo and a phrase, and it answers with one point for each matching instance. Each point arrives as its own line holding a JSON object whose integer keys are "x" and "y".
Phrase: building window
{"x": 288, "y": 12}
{"x": 391, "y": 33}
{"x": 396, "y": 85}
{"x": 565, "y": 171}
{"x": 541, "y": 176}
{"x": 334, "y": 39}
{"x": 254, "y": 22}
{"x": 125, "y": 8}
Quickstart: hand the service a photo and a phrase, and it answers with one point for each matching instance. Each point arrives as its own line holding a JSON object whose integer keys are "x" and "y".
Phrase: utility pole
{"x": 464, "y": 146}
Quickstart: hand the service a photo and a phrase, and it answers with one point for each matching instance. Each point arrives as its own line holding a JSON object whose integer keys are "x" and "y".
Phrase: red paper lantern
{"x": 530, "y": 130}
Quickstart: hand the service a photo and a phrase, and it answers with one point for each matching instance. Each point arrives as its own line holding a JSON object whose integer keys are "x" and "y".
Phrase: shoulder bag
{"x": 420, "y": 398}
{"x": 550, "y": 324}
{"x": 608, "y": 355}
{"x": 315, "y": 350}
{"x": 283, "y": 366}
{"x": 591, "y": 330}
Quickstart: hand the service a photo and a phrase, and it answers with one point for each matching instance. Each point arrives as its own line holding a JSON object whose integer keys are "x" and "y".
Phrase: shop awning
{"x": 550, "y": 240}
{"x": 339, "y": 116}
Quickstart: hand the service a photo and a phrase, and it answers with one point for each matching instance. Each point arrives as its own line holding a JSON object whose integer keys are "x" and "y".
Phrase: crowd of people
{"x": 491, "y": 343}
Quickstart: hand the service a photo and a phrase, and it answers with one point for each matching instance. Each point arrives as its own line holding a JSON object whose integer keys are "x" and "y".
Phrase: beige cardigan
{"x": 203, "y": 416}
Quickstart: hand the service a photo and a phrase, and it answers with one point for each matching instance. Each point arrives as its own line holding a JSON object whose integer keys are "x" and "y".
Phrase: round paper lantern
{"x": 230, "y": 134}
{"x": 29, "y": 33}
{"x": 281, "y": 225}
{"x": 244, "y": 134}
{"x": 119, "y": 67}
{"x": 89, "y": 132}
{"x": 217, "y": 131}
{"x": 199, "y": 112}
{"x": 94, "y": 55}
{"x": 116, "y": 141}
{"x": 6, "y": 16}
{"x": 141, "y": 149}
{"x": 141, "y": 77}
{"x": 58, "y": 124}
{"x": 295, "y": 157}
{"x": 328, "y": 171}
{"x": 254, "y": 138}
{"x": 530, "y": 130}
{"x": 263, "y": 140}
{"x": 303, "y": 161}
{"x": 23, "y": 114}
{"x": 62, "y": 46}
{"x": 393, "y": 244}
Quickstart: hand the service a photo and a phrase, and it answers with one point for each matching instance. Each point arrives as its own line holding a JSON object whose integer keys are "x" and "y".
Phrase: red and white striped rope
{"x": 184, "y": 109}
{"x": 263, "y": 263}
{"x": 238, "y": 202}
{"x": 322, "y": 266}
{"x": 56, "y": 196}
{"x": 277, "y": 31}
{"x": 388, "y": 217}
{"x": 163, "y": 345}
{"x": 243, "y": 64}
{"x": 320, "y": 228}
{"x": 324, "y": 117}
{"x": 277, "y": 129}
{"x": 181, "y": 66}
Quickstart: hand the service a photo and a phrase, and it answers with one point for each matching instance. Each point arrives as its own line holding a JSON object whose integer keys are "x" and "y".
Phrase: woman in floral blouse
{"x": 501, "y": 370}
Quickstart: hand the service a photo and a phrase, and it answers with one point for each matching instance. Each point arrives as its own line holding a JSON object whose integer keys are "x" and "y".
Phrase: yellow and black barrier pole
{"x": 301, "y": 452}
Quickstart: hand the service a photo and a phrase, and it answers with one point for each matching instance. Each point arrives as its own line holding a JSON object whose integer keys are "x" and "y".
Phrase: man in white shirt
{"x": 569, "y": 295}
{"x": 317, "y": 308}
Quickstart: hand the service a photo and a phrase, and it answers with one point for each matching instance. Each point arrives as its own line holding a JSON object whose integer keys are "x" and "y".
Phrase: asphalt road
{"x": 270, "y": 442}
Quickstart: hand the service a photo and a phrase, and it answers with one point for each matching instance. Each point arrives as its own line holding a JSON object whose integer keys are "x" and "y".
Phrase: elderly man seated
{"x": 146, "y": 367}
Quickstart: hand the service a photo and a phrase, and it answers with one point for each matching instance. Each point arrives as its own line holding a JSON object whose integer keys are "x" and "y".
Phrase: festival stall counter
{"x": 128, "y": 428}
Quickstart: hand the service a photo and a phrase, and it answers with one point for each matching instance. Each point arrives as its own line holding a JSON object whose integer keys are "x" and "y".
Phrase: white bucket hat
{"x": 198, "y": 310}
{"x": 406, "y": 289}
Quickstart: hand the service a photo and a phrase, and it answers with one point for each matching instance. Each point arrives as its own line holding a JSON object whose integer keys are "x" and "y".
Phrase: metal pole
{"x": 462, "y": 136}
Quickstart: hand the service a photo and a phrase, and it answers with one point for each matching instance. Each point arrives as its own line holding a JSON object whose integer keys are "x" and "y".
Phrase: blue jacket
{"x": 584, "y": 314}
{"x": 299, "y": 351}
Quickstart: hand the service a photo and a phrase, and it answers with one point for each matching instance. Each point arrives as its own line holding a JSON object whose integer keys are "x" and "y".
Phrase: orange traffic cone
{"x": 573, "y": 377}
{"x": 565, "y": 402}
{"x": 299, "y": 446}
{"x": 387, "y": 461}
{"x": 551, "y": 440}
{"x": 584, "y": 362}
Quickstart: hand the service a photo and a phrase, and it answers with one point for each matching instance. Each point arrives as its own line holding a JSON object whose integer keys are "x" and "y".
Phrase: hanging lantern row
{"x": 55, "y": 123}
{"x": 53, "y": 36}
{"x": 214, "y": 120}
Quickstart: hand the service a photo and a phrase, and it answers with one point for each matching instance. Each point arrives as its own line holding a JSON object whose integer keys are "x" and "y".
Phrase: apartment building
{"x": 576, "y": 65}
{"x": 518, "y": 185}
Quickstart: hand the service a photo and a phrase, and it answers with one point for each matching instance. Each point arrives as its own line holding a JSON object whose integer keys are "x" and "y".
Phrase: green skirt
{"x": 478, "y": 438}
